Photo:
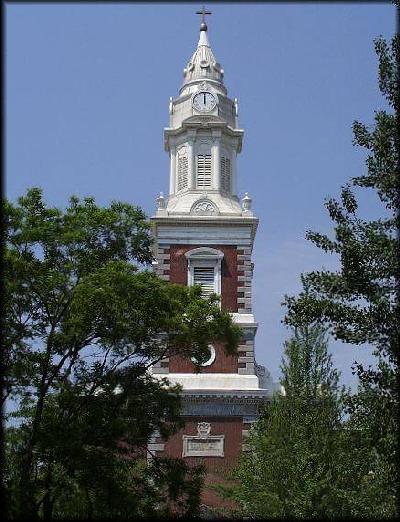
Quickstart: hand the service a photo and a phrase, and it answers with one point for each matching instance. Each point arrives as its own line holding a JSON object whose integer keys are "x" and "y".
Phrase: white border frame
{"x": 187, "y": 453}
{"x": 205, "y": 257}
{"x": 210, "y": 360}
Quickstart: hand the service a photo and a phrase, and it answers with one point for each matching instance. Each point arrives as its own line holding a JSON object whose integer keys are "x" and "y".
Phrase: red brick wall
{"x": 223, "y": 363}
{"x": 231, "y": 427}
{"x": 178, "y": 274}
{"x": 229, "y": 282}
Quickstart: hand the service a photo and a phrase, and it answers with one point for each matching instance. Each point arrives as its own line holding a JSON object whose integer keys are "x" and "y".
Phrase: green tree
{"x": 360, "y": 302}
{"x": 84, "y": 322}
{"x": 290, "y": 463}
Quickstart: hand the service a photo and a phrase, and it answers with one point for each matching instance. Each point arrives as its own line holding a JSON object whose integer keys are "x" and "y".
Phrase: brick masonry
{"x": 237, "y": 273}
{"x": 178, "y": 271}
{"x": 172, "y": 266}
{"x": 231, "y": 427}
{"x": 223, "y": 363}
{"x": 245, "y": 276}
{"x": 162, "y": 265}
{"x": 236, "y": 294}
{"x": 216, "y": 467}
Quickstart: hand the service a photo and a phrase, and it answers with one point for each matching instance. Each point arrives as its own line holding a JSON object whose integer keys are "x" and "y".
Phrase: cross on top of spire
{"x": 203, "y": 13}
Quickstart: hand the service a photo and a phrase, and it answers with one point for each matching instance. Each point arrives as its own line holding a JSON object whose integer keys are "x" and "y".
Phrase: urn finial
{"x": 246, "y": 202}
{"x": 160, "y": 201}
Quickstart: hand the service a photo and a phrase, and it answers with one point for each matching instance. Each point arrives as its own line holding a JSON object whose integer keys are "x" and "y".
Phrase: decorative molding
{"x": 203, "y": 429}
{"x": 204, "y": 253}
{"x": 203, "y": 86}
{"x": 204, "y": 207}
{"x": 210, "y": 360}
{"x": 203, "y": 444}
{"x": 206, "y": 257}
{"x": 212, "y": 446}
{"x": 209, "y": 408}
{"x": 264, "y": 376}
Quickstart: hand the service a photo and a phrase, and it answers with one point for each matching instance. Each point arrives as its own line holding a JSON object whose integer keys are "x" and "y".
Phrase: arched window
{"x": 203, "y": 165}
{"x": 225, "y": 173}
{"x": 204, "y": 269}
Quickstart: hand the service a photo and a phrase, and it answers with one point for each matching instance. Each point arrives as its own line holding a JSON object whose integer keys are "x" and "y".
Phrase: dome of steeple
{"x": 203, "y": 65}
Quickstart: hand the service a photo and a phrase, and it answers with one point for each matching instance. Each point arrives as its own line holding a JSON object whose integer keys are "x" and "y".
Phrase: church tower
{"x": 204, "y": 235}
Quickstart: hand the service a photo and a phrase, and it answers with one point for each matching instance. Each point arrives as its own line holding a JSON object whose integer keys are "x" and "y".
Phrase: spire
{"x": 203, "y": 13}
{"x": 203, "y": 64}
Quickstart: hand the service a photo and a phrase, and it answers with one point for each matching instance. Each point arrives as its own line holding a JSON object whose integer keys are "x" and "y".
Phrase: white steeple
{"x": 203, "y": 140}
{"x": 203, "y": 64}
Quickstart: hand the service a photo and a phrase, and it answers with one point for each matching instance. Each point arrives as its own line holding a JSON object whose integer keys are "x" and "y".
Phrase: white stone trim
{"x": 204, "y": 253}
{"x": 216, "y": 440}
{"x": 215, "y": 158}
{"x": 214, "y": 381}
{"x": 205, "y": 257}
{"x": 211, "y": 358}
{"x": 244, "y": 319}
{"x": 245, "y": 359}
{"x": 173, "y": 181}
{"x": 197, "y": 233}
{"x": 160, "y": 370}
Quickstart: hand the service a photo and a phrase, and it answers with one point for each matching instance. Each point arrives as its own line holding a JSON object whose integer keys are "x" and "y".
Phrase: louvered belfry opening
{"x": 204, "y": 170}
{"x": 182, "y": 172}
{"x": 205, "y": 277}
{"x": 225, "y": 174}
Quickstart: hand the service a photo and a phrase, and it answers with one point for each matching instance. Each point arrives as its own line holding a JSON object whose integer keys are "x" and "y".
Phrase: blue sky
{"x": 87, "y": 90}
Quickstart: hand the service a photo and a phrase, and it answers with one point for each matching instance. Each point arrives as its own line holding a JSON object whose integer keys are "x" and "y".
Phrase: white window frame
{"x": 214, "y": 448}
{"x": 205, "y": 257}
{"x": 210, "y": 360}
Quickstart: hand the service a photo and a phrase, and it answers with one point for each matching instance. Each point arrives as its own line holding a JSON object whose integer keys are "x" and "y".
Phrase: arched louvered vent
{"x": 203, "y": 170}
{"x": 182, "y": 172}
{"x": 204, "y": 269}
{"x": 205, "y": 277}
{"x": 225, "y": 174}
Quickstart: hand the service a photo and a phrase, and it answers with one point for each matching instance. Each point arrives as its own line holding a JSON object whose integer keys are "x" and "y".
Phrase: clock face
{"x": 204, "y": 101}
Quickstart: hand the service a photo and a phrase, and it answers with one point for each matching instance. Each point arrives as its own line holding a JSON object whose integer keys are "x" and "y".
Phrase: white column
{"x": 172, "y": 175}
{"x": 234, "y": 178}
{"x": 216, "y": 163}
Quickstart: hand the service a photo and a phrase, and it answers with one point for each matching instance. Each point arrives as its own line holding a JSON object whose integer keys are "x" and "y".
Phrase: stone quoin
{"x": 204, "y": 234}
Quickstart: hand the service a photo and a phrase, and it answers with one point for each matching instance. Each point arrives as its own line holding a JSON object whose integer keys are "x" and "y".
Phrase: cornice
{"x": 197, "y": 124}
{"x": 227, "y": 396}
{"x": 189, "y": 219}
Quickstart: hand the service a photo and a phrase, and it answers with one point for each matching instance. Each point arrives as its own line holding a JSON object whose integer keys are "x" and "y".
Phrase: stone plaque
{"x": 209, "y": 446}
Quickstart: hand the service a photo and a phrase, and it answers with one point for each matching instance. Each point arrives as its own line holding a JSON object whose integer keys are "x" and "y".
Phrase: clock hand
{"x": 204, "y": 98}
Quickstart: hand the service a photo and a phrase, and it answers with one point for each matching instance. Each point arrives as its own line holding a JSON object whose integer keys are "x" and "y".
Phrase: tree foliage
{"x": 360, "y": 302}
{"x": 290, "y": 463}
{"x": 305, "y": 459}
{"x": 83, "y": 323}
